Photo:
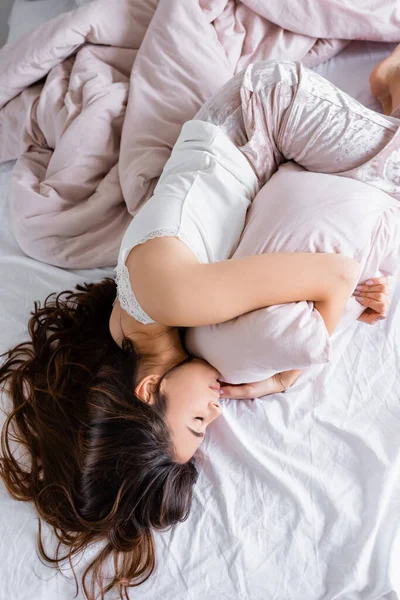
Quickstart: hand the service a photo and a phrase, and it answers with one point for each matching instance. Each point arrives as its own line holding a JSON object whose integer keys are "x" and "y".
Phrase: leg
{"x": 385, "y": 82}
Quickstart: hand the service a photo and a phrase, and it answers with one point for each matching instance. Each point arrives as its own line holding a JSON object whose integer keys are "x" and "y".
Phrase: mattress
{"x": 298, "y": 494}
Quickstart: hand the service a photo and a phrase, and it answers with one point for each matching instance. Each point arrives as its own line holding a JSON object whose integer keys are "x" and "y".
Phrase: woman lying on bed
{"x": 106, "y": 398}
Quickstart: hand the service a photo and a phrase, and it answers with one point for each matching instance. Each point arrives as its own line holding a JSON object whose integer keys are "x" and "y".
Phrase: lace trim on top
{"x": 125, "y": 293}
{"x": 127, "y": 298}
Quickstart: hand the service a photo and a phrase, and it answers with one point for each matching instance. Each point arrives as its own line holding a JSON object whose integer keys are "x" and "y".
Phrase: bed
{"x": 298, "y": 494}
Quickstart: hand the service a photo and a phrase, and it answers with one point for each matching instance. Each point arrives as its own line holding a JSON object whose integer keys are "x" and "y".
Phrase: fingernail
{"x": 359, "y": 299}
{"x": 359, "y": 287}
{"x": 380, "y": 318}
{"x": 369, "y": 282}
{"x": 221, "y": 391}
{"x": 357, "y": 293}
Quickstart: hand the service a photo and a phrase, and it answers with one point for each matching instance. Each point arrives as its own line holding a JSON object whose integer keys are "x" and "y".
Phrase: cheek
{"x": 193, "y": 379}
{"x": 189, "y": 395}
{"x": 189, "y": 387}
{"x": 182, "y": 392}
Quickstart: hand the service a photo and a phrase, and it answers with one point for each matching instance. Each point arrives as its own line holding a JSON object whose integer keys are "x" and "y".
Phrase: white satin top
{"x": 201, "y": 198}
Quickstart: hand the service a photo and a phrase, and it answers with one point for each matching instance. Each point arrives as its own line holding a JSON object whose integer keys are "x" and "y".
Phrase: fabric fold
{"x": 92, "y": 102}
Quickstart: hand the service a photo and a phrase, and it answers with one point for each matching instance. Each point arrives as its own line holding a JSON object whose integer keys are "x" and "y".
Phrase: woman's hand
{"x": 277, "y": 383}
{"x": 245, "y": 391}
{"x": 375, "y": 297}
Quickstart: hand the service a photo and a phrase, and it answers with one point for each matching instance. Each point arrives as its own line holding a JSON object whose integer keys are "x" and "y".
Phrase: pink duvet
{"x": 92, "y": 102}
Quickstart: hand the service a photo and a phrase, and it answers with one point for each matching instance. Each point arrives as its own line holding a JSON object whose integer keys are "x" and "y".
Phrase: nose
{"x": 215, "y": 406}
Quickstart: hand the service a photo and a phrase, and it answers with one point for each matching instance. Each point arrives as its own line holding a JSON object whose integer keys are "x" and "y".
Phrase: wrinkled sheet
{"x": 93, "y": 101}
{"x": 298, "y": 495}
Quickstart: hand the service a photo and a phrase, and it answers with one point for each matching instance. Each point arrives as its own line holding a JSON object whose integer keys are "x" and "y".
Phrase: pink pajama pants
{"x": 276, "y": 111}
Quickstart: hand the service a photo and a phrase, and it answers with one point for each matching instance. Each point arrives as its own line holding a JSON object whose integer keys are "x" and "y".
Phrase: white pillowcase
{"x": 299, "y": 211}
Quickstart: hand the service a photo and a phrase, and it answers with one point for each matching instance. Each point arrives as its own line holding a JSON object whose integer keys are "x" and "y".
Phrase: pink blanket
{"x": 92, "y": 102}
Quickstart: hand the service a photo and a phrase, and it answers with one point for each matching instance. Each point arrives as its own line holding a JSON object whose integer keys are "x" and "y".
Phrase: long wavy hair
{"x": 102, "y": 463}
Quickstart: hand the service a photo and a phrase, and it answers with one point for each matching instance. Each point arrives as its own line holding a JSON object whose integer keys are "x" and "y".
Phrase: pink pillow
{"x": 299, "y": 211}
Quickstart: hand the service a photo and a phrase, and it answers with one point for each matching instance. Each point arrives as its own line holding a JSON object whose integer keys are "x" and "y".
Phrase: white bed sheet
{"x": 298, "y": 496}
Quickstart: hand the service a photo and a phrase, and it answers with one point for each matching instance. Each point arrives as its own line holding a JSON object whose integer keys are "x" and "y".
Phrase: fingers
{"x": 374, "y": 297}
{"x": 237, "y": 392}
{"x": 361, "y": 289}
{"x": 370, "y": 317}
{"x": 375, "y": 280}
{"x": 378, "y": 284}
{"x": 376, "y": 301}
{"x": 257, "y": 389}
{"x": 375, "y": 284}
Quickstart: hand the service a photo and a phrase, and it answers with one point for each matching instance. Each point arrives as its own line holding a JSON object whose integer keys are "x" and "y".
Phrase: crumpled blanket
{"x": 92, "y": 101}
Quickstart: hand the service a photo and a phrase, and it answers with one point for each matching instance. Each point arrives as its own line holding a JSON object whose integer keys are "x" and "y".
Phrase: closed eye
{"x": 201, "y": 418}
{"x": 196, "y": 433}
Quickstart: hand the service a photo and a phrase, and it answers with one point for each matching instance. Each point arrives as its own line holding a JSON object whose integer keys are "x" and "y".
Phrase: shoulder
{"x": 158, "y": 269}
{"x": 159, "y": 253}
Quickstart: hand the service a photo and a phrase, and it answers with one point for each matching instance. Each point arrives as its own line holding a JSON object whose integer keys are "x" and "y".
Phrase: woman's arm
{"x": 374, "y": 296}
{"x": 279, "y": 382}
{"x": 175, "y": 289}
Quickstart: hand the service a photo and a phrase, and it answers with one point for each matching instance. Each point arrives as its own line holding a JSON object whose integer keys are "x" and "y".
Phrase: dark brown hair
{"x": 102, "y": 461}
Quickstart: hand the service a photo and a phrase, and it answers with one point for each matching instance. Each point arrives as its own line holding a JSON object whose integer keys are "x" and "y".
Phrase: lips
{"x": 216, "y": 386}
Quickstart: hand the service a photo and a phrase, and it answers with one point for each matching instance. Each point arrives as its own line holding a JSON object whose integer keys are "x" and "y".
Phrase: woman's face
{"x": 192, "y": 404}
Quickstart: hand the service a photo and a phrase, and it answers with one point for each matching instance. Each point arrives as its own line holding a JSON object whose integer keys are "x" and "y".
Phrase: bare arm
{"x": 331, "y": 310}
{"x": 175, "y": 289}
{"x": 375, "y": 297}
